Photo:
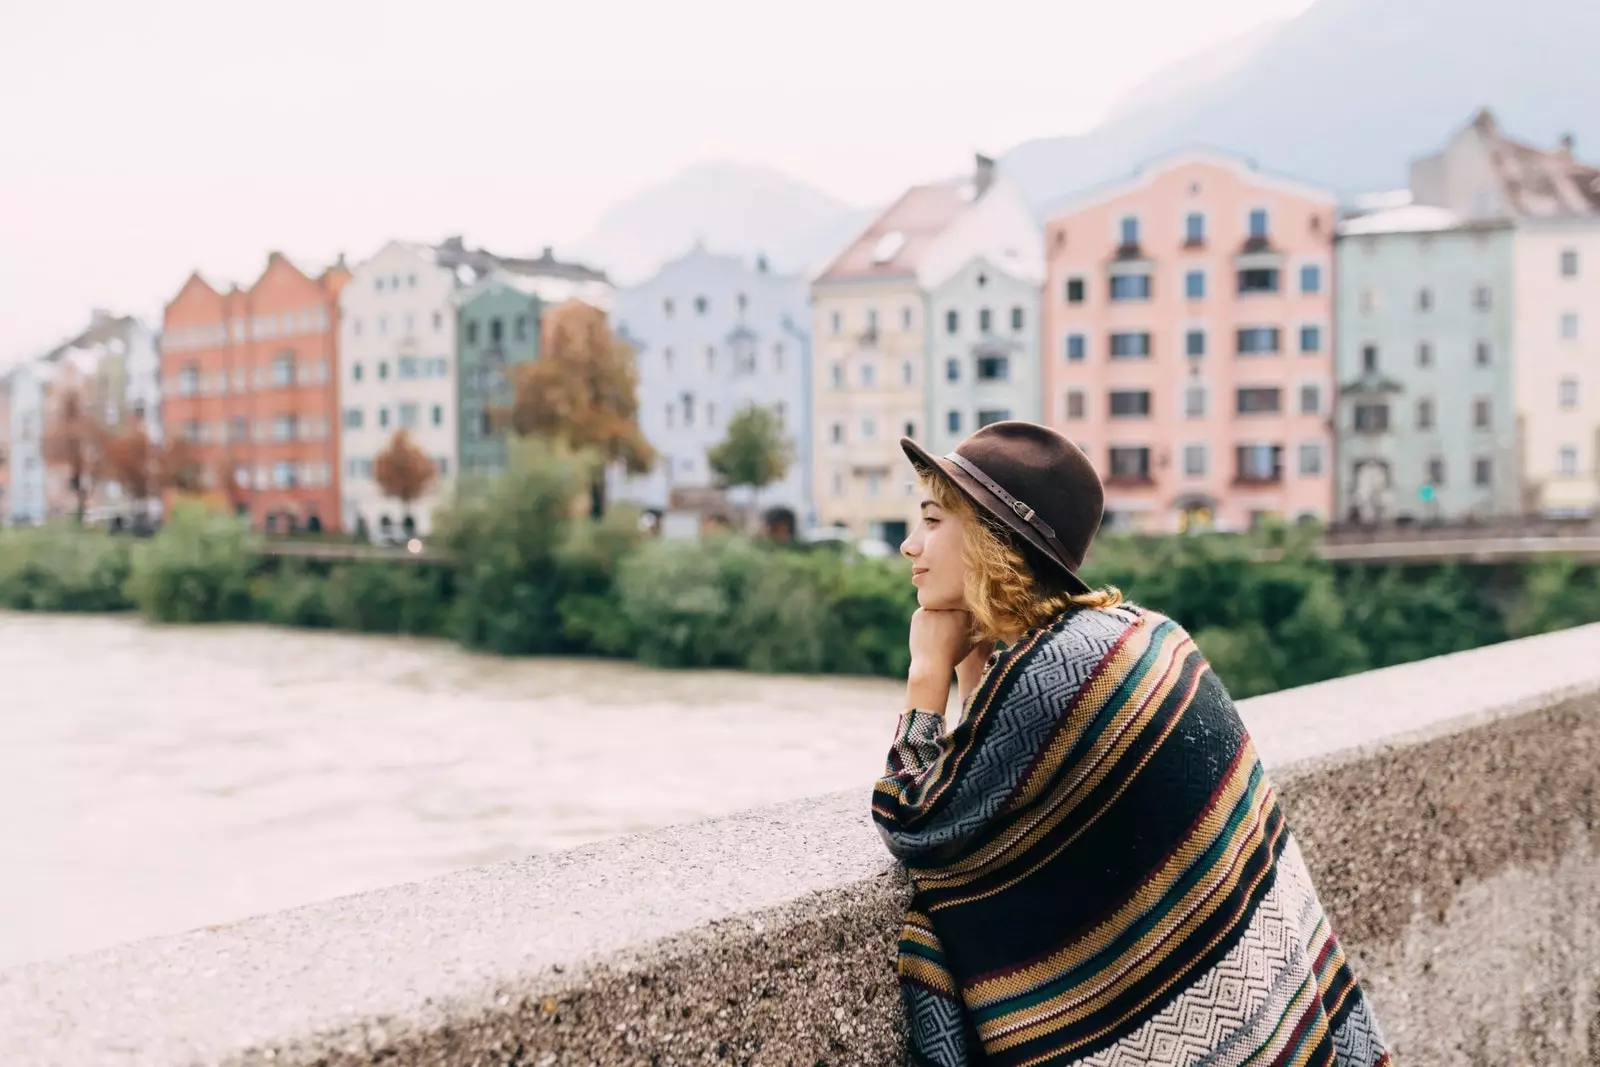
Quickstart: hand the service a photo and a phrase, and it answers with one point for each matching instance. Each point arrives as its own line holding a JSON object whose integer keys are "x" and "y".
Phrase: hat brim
{"x": 990, "y": 504}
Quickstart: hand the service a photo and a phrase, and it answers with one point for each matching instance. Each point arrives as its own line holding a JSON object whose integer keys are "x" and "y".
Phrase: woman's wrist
{"x": 928, "y": 686}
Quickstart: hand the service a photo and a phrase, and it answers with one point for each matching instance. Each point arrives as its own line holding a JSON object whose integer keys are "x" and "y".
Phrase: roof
{"x": 1537, "y": 182}
{"x": 1412, "y": 218}
{"x": 997, "y": 227}
{"x": 918, "y": 218}
{"x": 1245, "y": 169}
{"x": 453, "y": 252}
{"x": 103, "y": 328}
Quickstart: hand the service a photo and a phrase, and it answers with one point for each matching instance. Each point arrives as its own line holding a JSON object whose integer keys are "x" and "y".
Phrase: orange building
{"x": 248, "y": 379}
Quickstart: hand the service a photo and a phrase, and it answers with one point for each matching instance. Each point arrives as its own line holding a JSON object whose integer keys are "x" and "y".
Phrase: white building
{"x": 25, "y": 502}
{"x": 714, "y": 334}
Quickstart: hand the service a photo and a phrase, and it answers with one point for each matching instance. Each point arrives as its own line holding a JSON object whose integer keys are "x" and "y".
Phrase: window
{"x": 1310, "y": 459}
{"x": 1194, "y": 228}
{"x": 408, "y": 416}
{"x": 283, "y": 428}
{"x": 835, "y": 323}
{"x": 1369, "y": 359}
{"x": 905, "y": 318}
{"x": 1130, "y": 232}
{"x": 283, "y": 369}
{"x": 1258, "y": 340}
{"x": 910, "y": 429}
{"x": 952, "y": 421}
{"x": 836, "y": 433}
{"x": 1311, "y": 278}
{"x": 711, "y": 359}
{"x": 1259, "y": 463}
{"x": 743, "y": 302}
{"x": 1424, "y": 299}
{"x": 688, "y": 409}
{"x": 1130, "y": 345}
{"x": 1194, "y": 461}
{"x": 352, "y": 418}
{"x": 1194, "y": 343}
{"x": 777, "y": 357}
{"x": 1130, "y": 463}
{"x": 1077, "y": 347}
{"x": 1482, "y": 409}
{"x": 1074, "y": 291}
{"x": 993, "y": 368}
{"x": 472, "y": 331}
{"x": 438, "y": 415}
{"x": 701, "y": 305}
{"x": 836, "y": 375}
{"x": 1194, "y": 401}
{"x": 906, "y": 374}
{"x": 1311, "y": 399}
{"x": 283, "y": 475}
{"x": 1194, "y": 285}
{"x": 1310, "y": 340}
{"x": 992, "y": 415}
{"x": 1368, "y": 301}
{"x": 1258, "y": 280}
{"x": 1568, "y": 393}
{"x": 1258, "y": 224}
{"x": 1425, "y": 414}
{"x": 496, "y": 331}
{"x": 1482, "y": 298}
{"x": 189, "y": 380}
{"x": 1130, "y": 287}
{"x": 1372, "y": 418}
{"x": 411, "y": 323}
{"x": 868, "y": 375}
{"x": 1075, "y": 404}
{"x": 869, "y": 429}
{"x": 1567, "y": 461}
{"x": 1130, "y": 404}
{"x": 1016, "y": 319}
{"x": 1569, "y": 326}
{"x": 1424, "y": 354}
{"x": 239, "y": 428}
{"x": 1481, "y": 354}
{"x": 952, "y": 321}
{"x": 1482, "y": 471}
{"x": 985, "y": 320}
{"x": 1436, "y": 471}
{"x": 438, "y": 322}
{"x": 406, "y": 367}
{"x": 838, "y": 484}
{"x": 952, "y": 370}
{"x": 1259, "y": 401}
{"x": 1569, "y": 263}
{"x": 872, "y": 322}
{"x": 378, "y": 284}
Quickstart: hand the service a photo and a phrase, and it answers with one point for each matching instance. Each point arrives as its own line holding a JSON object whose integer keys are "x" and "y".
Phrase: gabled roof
{"x": 894, "y": 243}
{"x": 997, "y": 227}
{"x": 1538, "y": 183}
{"x": 1242, "y": 168}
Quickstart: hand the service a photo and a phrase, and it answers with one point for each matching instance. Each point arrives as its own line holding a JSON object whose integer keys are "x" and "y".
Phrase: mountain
{"x": 1191, "y": 73}
{"x": 1348, "y": 93}
{"x": 730, "y": 208}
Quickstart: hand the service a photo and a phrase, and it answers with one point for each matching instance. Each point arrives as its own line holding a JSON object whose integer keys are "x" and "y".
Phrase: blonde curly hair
{"x": 1010, "y": 587}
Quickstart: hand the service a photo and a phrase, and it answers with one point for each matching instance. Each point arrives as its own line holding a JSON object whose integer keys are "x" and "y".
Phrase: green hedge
{"x": 531, "y": 574}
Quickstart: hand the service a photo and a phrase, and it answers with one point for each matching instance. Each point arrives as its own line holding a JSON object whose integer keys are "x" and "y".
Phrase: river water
{"x": 154, "y": 780}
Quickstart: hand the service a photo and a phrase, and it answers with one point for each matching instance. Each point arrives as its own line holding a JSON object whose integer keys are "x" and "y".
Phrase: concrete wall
{"x": 1450, "y": 811}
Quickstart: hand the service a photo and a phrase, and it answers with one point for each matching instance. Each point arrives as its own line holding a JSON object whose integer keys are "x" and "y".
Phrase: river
{"x": 157, "y": 779}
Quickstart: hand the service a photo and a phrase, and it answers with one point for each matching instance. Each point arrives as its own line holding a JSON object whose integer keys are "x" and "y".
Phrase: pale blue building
{"x": 714, "y": 334}
{"x": 1427, "y": 423}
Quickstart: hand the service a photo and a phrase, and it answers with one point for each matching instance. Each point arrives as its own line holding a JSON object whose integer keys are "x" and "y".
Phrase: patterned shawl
{"x": 1102, "y": 872}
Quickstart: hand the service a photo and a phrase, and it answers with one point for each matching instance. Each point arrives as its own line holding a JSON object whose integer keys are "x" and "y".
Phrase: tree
{"x": 131, "y": 462}
{"x": 403, "y": 471}
{"x": 179, "y": 467}
{"x": 584, "y": 391}
{"x": 74, "y": 440}
{"x": 754, "y": 452}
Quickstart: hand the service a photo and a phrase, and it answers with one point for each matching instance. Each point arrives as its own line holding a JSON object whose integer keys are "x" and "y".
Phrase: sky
{"x": 142, "y": 140}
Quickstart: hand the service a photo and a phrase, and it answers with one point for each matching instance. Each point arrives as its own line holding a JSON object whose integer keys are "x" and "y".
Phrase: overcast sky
{"x": 140, "y": 139}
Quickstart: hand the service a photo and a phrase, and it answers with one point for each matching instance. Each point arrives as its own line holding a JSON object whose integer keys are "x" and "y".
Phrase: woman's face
{"x": 938, "y": 565}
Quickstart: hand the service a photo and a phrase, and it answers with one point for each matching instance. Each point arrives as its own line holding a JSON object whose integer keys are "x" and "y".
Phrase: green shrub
{"x": 372, "y": 596}
{"x": 292, "y": 595}
{"x": 197, "y": 569}
{"x": 59, "y": 568}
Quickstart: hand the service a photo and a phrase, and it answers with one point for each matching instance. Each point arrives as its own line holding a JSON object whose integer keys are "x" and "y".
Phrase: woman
{"x": 1102, "y": 873}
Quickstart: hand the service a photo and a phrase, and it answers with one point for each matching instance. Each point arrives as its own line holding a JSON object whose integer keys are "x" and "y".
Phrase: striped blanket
{"x": 1102, "y": 872}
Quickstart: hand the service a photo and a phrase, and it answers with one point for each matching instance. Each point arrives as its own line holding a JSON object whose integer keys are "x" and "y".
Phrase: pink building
{"x": 1187, "y": 343}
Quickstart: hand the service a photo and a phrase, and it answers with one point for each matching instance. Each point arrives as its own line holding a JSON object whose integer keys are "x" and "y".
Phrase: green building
{"x": 498, "y": 321}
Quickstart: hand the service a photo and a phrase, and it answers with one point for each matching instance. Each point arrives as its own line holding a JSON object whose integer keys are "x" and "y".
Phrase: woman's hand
{"x": 939, "y": 641}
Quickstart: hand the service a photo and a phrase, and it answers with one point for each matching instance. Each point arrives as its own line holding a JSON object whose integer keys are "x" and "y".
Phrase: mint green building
{"x": 498, "y": 322}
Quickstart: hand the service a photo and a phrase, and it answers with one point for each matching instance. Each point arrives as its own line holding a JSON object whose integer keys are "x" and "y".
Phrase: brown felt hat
{"x": 1032, "y": 479}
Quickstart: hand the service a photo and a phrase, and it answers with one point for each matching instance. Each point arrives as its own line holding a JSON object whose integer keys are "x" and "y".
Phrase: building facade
{"x": 25, "y": 498}
{"x": 981, "y": 279}
{"x": 497, "y": 329}
{"x": 397, "y": 371}
{"x": 248, "y": 380}
{"x": 1551, "y": 201}
{"x": 1187, "y": 344}
{"x": 1426, "y": 418}
{"x": 712, "y": 335}
{"x": 871, "y": 348}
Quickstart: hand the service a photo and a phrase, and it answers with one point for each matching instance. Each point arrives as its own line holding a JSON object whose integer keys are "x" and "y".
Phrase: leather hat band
{"x": 1022, "y": 511}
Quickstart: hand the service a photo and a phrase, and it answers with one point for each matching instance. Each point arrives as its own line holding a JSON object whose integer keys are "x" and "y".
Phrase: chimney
{"x": 982, "y": 174}
{"x": 761, "y": 264}
{"x": 549, "y": 253}
{"x": 1568, "y": 142}
{"x": 99, "y": 317}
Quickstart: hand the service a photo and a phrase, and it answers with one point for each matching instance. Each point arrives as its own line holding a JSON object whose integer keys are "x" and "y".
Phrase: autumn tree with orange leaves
{"x": 131, "y": 461}
{"x": 584, "y": 390}
{"x": 74, "y": 440}
{"x": 403, "y": 471}
{"x": 179, "y": 467}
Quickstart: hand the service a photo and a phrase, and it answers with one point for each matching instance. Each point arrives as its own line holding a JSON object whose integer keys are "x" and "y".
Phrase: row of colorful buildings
{"x": 1224, "y": 344}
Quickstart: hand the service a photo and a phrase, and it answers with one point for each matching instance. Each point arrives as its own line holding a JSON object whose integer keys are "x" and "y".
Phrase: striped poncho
{"x": 1102, "y": 872}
